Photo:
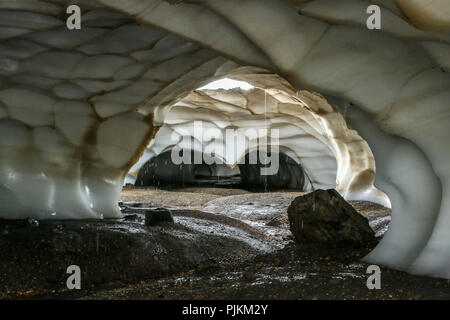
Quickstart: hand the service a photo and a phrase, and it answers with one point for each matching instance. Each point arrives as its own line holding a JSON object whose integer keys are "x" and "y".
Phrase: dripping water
{"x": 265, "y": 122}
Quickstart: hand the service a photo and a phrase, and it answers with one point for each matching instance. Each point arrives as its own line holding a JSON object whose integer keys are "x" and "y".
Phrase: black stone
{"x": 324, "y": 217}
{"x": 157, "y": 216}
{"x": 32, "y": 223}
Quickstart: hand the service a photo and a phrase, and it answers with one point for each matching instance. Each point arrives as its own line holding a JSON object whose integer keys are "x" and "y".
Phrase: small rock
{"x": 33, "y": 223}
{"x": 154, "y": 217}
{"x": 323, "y": 216}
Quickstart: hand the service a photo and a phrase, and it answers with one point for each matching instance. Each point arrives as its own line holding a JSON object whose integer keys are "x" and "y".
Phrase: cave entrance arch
{"x": 290, "y": 174}
{"x": 315, "y": 133}
{"x": 161, "y": 172}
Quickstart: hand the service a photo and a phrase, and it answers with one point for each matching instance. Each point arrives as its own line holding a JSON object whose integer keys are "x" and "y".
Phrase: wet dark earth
{"x": 221, "y": 245}
{"x": 291, "y": 273}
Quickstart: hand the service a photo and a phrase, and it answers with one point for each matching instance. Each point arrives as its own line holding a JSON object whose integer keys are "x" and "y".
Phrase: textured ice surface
{"x": 77, "y": 108}
{"x": 309, "y": 129}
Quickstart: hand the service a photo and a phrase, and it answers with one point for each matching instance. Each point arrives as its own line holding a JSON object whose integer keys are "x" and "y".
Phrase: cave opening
{"x": 82, "y": 112}
{"x": 304, "y": 131}
{"x": 162, "y": 173}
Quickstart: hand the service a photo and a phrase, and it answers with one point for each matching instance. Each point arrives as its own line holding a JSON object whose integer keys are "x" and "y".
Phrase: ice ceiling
{"x": 79, "y": 107}
{"x": 308, "y": 129}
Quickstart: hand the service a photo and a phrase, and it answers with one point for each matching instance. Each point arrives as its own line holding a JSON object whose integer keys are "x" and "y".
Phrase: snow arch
{"x": 78, "y": 108}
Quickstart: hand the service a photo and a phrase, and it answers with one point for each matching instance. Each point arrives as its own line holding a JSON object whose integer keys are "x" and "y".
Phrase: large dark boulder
{"x": 324, "y": 217}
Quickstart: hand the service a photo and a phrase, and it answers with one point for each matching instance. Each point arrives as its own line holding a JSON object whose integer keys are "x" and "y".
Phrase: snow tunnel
{"x": 79, "y": 108}
{"x": 161, "y": 171}
{"x": 267, "y": 122}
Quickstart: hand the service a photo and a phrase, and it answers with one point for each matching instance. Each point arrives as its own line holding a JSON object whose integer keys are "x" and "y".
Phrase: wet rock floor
{"x": 291, "y": 273}
{"x": 224, "y": 244}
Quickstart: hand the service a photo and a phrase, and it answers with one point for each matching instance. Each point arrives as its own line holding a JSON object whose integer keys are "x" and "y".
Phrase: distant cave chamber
{"x": 162, "y": 172}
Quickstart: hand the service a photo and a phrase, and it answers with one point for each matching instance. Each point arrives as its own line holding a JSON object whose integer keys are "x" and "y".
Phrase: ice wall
{"x": 307, "y": 128}
{"x": 395, "y": 78}
{"x": 77, "y": 108}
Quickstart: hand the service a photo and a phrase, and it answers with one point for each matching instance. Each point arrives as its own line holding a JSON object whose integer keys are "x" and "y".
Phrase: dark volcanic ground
{"x": 292, "y": 273}
{"x": 224, "y": 244}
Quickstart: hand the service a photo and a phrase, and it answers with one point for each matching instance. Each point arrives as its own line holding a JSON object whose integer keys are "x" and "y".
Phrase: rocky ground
{"x": 223, "y": 244}
{"x": 291, "y": 273}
